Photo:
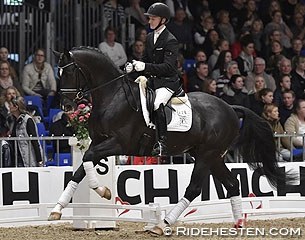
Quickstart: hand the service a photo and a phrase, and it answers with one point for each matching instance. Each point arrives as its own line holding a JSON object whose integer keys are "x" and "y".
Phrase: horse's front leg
{"x": 95, "y": 153}
{"x": 92, "y": 156}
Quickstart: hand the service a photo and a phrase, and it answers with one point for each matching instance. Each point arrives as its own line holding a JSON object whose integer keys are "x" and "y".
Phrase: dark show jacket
{"x": 161, "y": 60}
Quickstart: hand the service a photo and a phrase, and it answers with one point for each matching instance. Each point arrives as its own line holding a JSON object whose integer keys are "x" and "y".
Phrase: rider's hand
{"x": 138, "y": 65}
{"x": 128, "y": 67}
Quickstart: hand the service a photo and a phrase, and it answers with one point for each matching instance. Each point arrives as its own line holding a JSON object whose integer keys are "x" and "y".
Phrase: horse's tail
{"x": 257, "y": 146}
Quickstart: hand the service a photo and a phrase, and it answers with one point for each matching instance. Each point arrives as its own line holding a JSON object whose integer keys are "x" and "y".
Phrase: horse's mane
{"x": 101, "y": 58}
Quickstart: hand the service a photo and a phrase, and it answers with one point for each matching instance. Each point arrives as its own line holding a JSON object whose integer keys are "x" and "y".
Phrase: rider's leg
{"x": 163, "y": 95}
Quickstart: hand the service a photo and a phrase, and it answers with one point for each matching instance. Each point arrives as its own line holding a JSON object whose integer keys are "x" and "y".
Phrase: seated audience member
{"x": 224, "y": 57}
{"x": 7, "y": 79}
{"x": 257, "y": 31}
{"x": 224, "y": 26}
{"x": 271, "y": 114}
{"x": 29, "y": 153}
{"x": 201, "y": 30}
{"x": 136, "y": 13}
{"x": 298, "y": 77}
{"x": 287, "y": 108}
{"x": 38, "y": 77}
{"x": 296, "y": 48}
{"x": 209, "y": 86}
{"x": 298, "y": 25}
{"x": 199, "y": 56}
{"x": 264, "y": 96}
{"x": 181, "y": 28}
{"x": 4, "y": 53}
{"x": 60, "y": 128}
{"x": 6, "y": 119}
{"x": 284, "y": 67}
{"x": 210, "y": 43}
{"x": 245, "y": 59}
{"x": 235, "y": 93}
{"x": 285, "y": 84}
{"x": 296, "y": 123}
{"x": 231, "y": 68}
{"x": 138, "y": 48}
{"x": 113, "y": 49}
{"x": 276, "y": 54}
{"x": 195, "y": 83}
{"x": 259, "y": 84}
{"x": 222, "y": 45}
{"x": 259, "y": 70}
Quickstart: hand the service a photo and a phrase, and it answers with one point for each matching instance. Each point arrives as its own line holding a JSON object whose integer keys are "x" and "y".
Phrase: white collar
{"x": 160, "y": 30}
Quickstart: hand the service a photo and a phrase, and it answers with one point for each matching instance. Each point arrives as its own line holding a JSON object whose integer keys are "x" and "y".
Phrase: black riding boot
{"x": 160, "y": 148}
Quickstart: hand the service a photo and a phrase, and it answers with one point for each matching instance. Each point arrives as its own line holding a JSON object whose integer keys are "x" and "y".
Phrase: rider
{"x": 160, "y": 65}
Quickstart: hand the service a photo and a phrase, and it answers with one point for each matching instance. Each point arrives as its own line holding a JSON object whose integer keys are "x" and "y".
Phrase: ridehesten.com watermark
{"x": 246, "y": 232}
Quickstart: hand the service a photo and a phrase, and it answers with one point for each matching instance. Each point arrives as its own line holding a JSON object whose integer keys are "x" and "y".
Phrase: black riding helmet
{"x": 160, "y": 10}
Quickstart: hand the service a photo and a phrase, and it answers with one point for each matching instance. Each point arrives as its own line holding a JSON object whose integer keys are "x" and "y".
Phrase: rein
{"x": 80, "y": 93}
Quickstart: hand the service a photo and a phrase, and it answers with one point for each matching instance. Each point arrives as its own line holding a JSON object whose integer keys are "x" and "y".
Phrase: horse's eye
{"x": 60, "y": 71}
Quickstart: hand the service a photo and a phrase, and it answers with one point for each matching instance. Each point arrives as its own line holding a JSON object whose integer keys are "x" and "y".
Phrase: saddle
{"x": 178, "y": 110}
{"x": 179, "y": 97}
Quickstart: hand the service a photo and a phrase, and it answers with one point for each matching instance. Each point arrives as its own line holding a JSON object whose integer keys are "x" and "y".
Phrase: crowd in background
{"x": 246, "y": 52}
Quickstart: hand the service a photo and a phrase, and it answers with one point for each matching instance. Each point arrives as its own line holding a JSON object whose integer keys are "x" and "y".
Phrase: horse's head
{"x": 72, "y": 79}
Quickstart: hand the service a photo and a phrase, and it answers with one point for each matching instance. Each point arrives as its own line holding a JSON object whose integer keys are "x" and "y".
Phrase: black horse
{"x": 117, "y": 127}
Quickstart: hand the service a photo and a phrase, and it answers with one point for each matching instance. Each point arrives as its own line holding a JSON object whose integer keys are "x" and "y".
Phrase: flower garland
{"x": 79, "y": 121}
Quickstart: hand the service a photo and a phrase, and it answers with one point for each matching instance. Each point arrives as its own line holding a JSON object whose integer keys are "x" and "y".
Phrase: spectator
{"x": 236, "y": 46}
{"x": 259, "y": 70}
{"x": 277, "y": 51}
{"x": 136, "y": 13}
{"x": 245, "y": 59}
{"x": 138, "y": 49}
{"x": 197, "y": 7}
{"x": 296, "y": 48}
{"x": 270, "y": 6}
{"x": 249, "y": 15}
{"x": 264, "y": 96}
{"x": 277, "y": 23}
{"x": 6, "y": 119}
{"x": 113, "y": 49}
{"x": 38, "y": 77}
{"x": 7, "y": 79}
{"x": 199, "y": 56}
{"x": 114, "y": 14}
{"x": 224, "y": 26}
{"x": 288, "y": 106}
{"x": 29, "y": 153}
{"x": 141, "y": 34}
{"x": 4, "y": 53}
{"x": 298, "y": 26}
{"x": 235, "y": 93}
{"x": 195, "y": 84}
{"x": 209, "y": 86}
{"x": 60, "y": 128}
{"x": 210, "y": 44}
{"x": 201, "y": 30}
{"x": 222, "y": 45}
{"x": 275, "y": 35}
{"x": 237, "y": 10}
{"x": 182, "y": 30}
{"x": 284, "y": 68}
{"x": 298, "y": 77}
{"x": 296, "y": 123}
{"x": 285, "y": 85}
{"x": 224, "y": 57}
{"x": 271, "y": 114}
{"x": 257, "y": 31}
{"x": 175, "y": 4}
{"x": 231, "y": 68}
{"x": 259, "y": 84}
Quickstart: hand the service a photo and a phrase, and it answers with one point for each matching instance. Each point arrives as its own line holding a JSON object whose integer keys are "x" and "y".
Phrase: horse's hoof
{"x": 156, "y": 230}
{"x": 240, "y": 223}
{"x": 107, "y": 193}
{"x": 54, "y": 216}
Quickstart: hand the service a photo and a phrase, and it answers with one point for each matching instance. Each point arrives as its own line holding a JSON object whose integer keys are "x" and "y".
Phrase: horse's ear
{"x": 67, "y": 53}
{"x": 56, "y": 54}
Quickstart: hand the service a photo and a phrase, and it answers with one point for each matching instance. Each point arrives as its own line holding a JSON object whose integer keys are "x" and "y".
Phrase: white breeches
{"x": 163, "y": 95}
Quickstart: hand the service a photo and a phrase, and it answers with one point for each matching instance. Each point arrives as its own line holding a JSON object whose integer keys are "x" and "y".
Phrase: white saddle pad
{"x": 181, "y": 117}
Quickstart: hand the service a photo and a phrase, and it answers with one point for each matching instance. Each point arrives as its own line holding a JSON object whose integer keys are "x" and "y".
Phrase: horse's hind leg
{"x": 200, "y": 171}
{"x": 231, "y": 183}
